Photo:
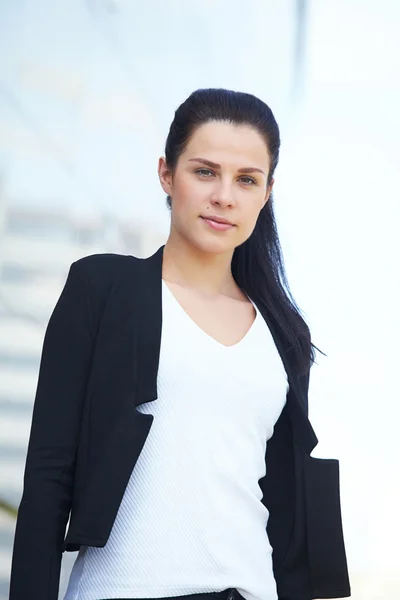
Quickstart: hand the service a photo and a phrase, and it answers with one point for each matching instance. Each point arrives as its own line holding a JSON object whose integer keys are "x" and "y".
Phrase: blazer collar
{"x": 149, "y": 297}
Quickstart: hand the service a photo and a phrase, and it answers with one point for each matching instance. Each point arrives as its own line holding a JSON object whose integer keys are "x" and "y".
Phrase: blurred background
{"x": 88, "y": 89}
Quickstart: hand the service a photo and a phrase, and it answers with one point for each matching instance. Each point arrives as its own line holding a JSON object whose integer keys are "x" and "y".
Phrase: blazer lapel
{"x": 149, "y": 298}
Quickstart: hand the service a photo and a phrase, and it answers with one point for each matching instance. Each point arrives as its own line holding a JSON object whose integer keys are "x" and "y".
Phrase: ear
{"x": 269, "y": 190}
{"x": 165, "y": 176}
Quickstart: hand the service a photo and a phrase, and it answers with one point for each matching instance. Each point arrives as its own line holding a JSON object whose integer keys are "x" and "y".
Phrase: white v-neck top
{"x": 191, "y": 519}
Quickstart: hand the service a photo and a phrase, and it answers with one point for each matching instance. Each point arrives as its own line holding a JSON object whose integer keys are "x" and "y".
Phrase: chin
{"x": 212, "y": 245}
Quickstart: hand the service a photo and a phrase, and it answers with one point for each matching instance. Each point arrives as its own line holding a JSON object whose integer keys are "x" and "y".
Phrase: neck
{"x": 191, "y": 267}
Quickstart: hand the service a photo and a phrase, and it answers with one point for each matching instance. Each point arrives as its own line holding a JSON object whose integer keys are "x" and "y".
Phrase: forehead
{"x": 227, "y": 142}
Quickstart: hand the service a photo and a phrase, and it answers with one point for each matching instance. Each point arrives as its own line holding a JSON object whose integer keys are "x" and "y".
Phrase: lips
{"x": 217, "y": 225}
{"x": 217, "y": 220}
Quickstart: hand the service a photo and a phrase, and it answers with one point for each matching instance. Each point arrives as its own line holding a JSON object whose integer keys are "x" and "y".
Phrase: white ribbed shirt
{"x": 191, "y": 519}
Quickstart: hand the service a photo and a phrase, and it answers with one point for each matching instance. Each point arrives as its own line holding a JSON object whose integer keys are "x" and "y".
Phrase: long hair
{"x": 257, "y": 264}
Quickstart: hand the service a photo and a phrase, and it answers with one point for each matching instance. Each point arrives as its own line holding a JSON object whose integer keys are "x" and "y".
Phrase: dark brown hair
{"x": 257, "y": 264}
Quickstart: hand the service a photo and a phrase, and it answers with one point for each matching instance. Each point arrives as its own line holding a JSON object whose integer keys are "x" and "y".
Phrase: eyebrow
{"x": 214, "y": 165}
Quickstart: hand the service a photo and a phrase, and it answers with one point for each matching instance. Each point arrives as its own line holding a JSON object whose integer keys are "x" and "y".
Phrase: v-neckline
{"x": 215, "y": 341}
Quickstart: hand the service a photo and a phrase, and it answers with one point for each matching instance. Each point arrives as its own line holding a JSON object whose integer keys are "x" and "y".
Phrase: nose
{"x": 223, "y": 194}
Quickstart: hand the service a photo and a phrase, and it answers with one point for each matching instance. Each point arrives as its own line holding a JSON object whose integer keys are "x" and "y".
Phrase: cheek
{"x": 189, "y": 192}
{"x": 252, "y": 213}
{"x": 185, "y": 201}
{"x": 252, "y": 206}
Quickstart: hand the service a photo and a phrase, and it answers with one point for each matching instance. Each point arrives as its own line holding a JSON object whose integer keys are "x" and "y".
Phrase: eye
{"x": 202, "y": 171}
{"x": 250, "y": 180}
{"x": 205, "y": 173}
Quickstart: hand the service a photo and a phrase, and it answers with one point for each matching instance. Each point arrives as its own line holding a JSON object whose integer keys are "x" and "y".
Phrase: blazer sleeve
{"x": 49, "y": 470}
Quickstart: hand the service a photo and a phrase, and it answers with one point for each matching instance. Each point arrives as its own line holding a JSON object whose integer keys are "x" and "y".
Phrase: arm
{"x": 49, "y": 470}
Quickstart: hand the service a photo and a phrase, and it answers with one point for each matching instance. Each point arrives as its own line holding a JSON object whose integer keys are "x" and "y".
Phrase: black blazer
{"x": 99, "y": 362}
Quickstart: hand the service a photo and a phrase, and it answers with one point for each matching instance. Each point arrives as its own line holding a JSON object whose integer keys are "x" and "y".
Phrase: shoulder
{"x": 102, "y": 272}
{"x": 107, "y": 267}
{"x": 112, "y": 261}
{"x": 101, "y": 276}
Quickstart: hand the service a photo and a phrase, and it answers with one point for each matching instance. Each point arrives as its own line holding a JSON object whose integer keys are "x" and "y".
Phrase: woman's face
{"x": 222, "y": 173}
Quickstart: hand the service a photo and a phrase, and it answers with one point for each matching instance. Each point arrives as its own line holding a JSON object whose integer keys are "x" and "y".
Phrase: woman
{"x": 171, "y": 414}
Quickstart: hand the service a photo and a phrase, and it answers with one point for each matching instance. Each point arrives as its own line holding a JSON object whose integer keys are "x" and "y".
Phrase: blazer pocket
{"x": 327, "y": 557}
